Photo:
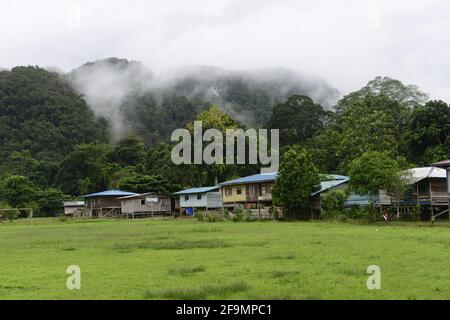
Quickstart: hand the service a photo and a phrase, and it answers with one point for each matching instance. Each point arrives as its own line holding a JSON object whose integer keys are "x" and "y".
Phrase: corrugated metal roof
{"x": 142, "y": 195}
{"x": 109, "y": 193}
{"x": 197, "y": 190}
{"x": 262, "y": 177}
{"x": 418, "y": 174}
{"x": 443, "y": 164}
{"x": 334, "y": 181}
{"x": 73, "y": 203}
{"x": 357, "y": 200}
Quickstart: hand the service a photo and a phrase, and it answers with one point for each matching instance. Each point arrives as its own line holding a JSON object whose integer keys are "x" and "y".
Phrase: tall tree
{"x": 370, "y": 124}
{"x": 298, "y": 119}
{"x": 215, "y": 118}
{"x": 429, "y": 132}
{"x": 86, "y": 169}
{"x": 395, "y": 90}
{"x": 17, "y": 191}
{"x": 128, "y": 151}
{"x": 374, "y": 171}
{"x": 297, "y": 178}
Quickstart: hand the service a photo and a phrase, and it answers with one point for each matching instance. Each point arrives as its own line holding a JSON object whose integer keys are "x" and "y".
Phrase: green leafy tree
{"x": 333, "y": 201}
{"x": 297, "y": 178}
{"x": 158, "y": 162}
{"x": 395, "y": 90}
{"x": 86, "y": 169}
{"x": 215, "y": 118}
{"x": 372, "y": 172}
{"x": 128, "y": 151}
{"x": 372, "y": 124}
{"x": 298, "y": 119}
{"x": 429, "y": 132}
{"x": 17, "y": 191}
{"x": 49, "y": 201}
{"x": 145, "y": 183}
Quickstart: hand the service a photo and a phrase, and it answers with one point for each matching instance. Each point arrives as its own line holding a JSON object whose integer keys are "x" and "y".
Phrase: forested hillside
{"x": 41, "y": 120}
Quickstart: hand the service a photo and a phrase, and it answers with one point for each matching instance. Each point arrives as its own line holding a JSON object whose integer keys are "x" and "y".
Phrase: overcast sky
{"x": 346, "y": 42}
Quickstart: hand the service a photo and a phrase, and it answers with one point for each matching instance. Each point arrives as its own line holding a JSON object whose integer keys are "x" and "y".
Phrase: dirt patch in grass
{"x": 69, "y": 249}
{"x": 204, "y": 230}
{"x": 186, "y": 271}
{"x": 287, "y": 256}
{"x": 283, "y": 274}
{"x": 215, "y": 290}
{"x": 174, "y": 245}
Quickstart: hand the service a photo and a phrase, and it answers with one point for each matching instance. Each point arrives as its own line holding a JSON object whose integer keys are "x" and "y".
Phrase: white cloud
{"x": 347, "y": 42}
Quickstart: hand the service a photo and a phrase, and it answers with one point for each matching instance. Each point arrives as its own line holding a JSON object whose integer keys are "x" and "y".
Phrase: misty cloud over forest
{"x": 113, "y": 87}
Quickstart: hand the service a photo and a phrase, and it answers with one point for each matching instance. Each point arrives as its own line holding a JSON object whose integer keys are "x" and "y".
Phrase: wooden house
{"x": 204, "y": 198}
{"x": 146, "y": 204}
{"x": 249, "y": 192}
{"x": 73, "y": 208}
{"x": 446, "y": 166}
{"x": 105, "y": 203}
{"x": 428, "y": 188}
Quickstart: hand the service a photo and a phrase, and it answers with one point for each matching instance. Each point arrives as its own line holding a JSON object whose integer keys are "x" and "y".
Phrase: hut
{"x": 73, "y": 208}
{"x": 203, "y": 198}
{"x": 146, "y": 204}
{"x": 105, "y": 203}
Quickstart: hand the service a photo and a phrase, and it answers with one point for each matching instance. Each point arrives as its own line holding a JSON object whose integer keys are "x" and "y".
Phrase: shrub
{"x": 365, "y": 214}
{"x": 211, "y": 217}
{"x": 238, "y": 215}
{"x": 200, "y": 216}
{"x": 412, "y": 215}
{"x": 334, "y": 200}
{"x": 247, "y": 215}
{"x": 9, "y": 214}
{"x": 226, "y": 214}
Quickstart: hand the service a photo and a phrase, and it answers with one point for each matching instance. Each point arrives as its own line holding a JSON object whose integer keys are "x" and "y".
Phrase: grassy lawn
{"x": 186, "y": 259}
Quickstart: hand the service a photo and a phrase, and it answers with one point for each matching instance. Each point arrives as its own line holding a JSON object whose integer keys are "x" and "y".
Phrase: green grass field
{"x": 186, "y": 259}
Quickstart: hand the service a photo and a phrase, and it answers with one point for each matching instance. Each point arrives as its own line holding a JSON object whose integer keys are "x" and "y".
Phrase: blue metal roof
{"x": 197, "y": 190}
{"x": 262, "y": 177}
{"x": 334, "y": 181}
{"x": 109, "y": 193}
{"x": 357, "y": 200}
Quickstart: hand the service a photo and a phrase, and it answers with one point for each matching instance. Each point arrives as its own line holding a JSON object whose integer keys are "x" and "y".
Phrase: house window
{"x": 228, "y": 192}
{"x": 238, "y": 190}
{"x": 186, "y": 198}
{"x": 264, "y": 189}
{"x": 142, "y": 202}
{"x": 199, "y": 196}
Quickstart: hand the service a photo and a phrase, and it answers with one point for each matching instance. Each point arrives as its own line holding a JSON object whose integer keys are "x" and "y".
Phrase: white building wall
{"x": 193, "y": 202}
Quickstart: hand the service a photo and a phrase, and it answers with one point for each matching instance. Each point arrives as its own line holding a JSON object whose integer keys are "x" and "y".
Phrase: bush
{"x": 211, "y": 217}
{"x": 9, "y": 214}
{"x": 365, "y": 214}
{"x": 200, "y": 216}
{"x": 238, "y": 215}
{"x": 226, "y": 214}
{"x": 334, "y": 200}
{"x": 413, "y": 214}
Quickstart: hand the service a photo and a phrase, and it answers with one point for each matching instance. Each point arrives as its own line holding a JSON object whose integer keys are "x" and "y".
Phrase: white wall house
{"x": 200, "y": 198}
